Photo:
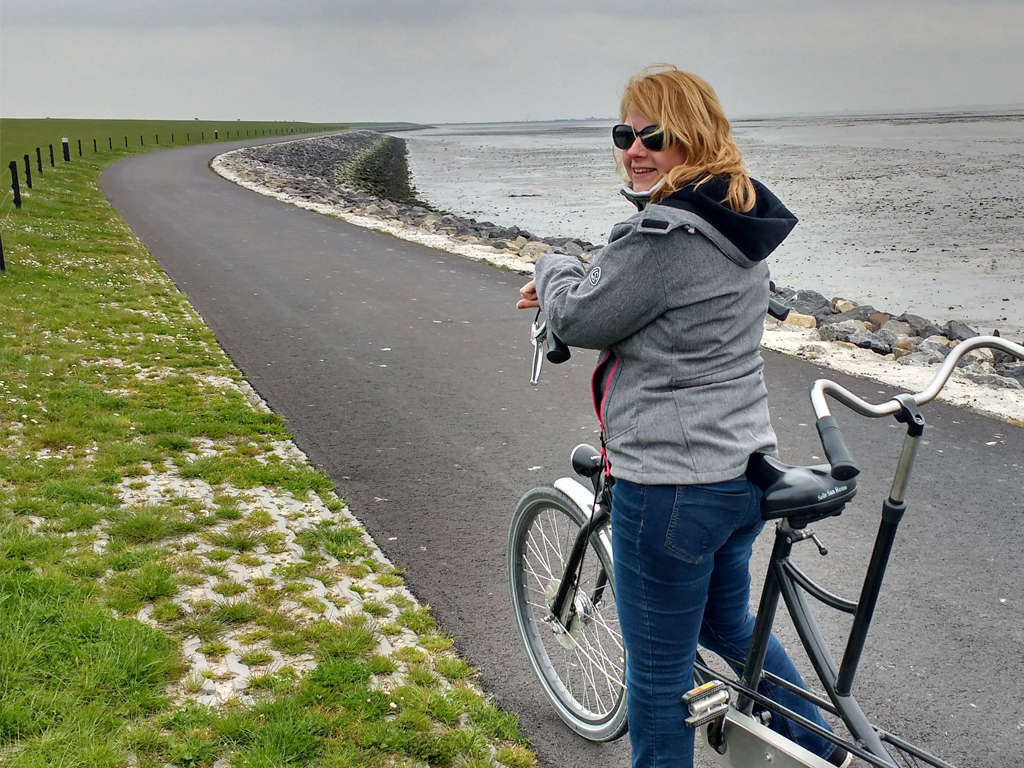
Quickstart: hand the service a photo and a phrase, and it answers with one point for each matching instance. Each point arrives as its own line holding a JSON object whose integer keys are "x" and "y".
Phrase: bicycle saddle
{"x": 803, "y": 494}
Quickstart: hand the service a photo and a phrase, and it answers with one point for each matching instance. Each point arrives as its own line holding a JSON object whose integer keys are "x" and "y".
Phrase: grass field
{"x": 21, "y": 137}
{"x": 151, "y": 516}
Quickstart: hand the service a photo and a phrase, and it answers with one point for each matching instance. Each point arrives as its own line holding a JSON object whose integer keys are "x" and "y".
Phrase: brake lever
{"x": 538, "y": 336}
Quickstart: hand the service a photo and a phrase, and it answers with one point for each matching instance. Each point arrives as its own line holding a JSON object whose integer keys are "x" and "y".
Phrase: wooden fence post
{"x": 39, "y": 161}
{"x": 79, "y": 147}
{"x": 94, "y": 146}
{"x": 14, "y": 183}
{"x": 67, "y": 149}
{"x": 110, "y": 142}
{"x": 51, "y": 155}
{"x": 28, "y": 173}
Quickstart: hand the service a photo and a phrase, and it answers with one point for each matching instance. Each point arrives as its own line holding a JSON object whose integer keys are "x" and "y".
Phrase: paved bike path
{"x": 402, "y": 372}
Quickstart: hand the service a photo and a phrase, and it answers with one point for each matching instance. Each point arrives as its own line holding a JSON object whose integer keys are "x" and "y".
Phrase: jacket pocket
{"x": 704, "y": 517}
{"x": 616, "y": 417}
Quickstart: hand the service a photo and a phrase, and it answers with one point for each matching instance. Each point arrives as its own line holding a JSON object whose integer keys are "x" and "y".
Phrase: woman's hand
{"x": 529, "y": 294}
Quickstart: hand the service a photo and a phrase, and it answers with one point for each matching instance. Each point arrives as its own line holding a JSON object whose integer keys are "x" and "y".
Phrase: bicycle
{"x": 563, "y": 591}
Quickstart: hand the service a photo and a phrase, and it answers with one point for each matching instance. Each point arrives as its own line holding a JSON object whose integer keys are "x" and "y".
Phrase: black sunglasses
{"x": 651, "y": 137}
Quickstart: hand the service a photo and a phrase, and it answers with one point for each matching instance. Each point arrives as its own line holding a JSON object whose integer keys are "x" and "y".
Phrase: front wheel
{"x": 581, "y": 664}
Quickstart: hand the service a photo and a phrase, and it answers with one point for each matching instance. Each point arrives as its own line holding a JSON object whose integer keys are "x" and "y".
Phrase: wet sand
{"x": 918, "y": 213}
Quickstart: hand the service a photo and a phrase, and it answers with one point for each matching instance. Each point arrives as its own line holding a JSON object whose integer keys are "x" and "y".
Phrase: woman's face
{"x": 643, "y": 166}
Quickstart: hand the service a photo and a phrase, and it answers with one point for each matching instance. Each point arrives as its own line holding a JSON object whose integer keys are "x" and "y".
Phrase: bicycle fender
{"x": 578, "y": 493}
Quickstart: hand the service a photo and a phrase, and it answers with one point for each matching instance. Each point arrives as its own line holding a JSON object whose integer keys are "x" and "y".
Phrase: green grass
{"x": 72, "y": 674}
{"x": 21, "y": 136}
{"x": 101, "y": 362}
{"x": 381, "y": 170}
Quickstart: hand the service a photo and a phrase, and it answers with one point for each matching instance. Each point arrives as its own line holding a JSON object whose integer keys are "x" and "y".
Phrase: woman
{"x": 676, "y": 301}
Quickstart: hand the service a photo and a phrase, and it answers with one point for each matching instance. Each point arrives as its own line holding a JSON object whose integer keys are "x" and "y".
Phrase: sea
{"x": 920, "y": 212}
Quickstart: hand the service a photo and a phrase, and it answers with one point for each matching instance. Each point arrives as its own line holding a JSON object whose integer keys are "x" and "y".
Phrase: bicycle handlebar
{"x": 839, "y": 457}
{"x": 824, "y": 387}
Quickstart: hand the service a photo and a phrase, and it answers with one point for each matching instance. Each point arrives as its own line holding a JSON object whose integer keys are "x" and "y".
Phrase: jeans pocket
{"x": 704, "y": 517}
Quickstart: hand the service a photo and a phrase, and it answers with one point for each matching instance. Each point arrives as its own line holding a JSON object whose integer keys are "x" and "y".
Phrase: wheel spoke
{"x": 582, "y": 663}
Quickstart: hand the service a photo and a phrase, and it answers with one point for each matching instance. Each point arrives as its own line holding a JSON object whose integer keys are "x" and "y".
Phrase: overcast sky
{"x": 484, "y": 60}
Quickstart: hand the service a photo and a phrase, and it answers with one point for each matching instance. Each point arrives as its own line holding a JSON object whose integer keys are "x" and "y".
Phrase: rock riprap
{"x": 906, "y": 338}
{"x": 365, "y": 173}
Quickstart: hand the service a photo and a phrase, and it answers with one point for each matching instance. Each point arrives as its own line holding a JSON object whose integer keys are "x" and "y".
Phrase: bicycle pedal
{"x": 706, "y": 703}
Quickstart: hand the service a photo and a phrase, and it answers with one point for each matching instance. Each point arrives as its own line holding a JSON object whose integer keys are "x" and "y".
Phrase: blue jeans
{"x": 681, "y": 577}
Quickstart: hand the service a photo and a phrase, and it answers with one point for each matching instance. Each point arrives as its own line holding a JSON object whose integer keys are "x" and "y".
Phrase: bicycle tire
{"x": 582, "y": 669}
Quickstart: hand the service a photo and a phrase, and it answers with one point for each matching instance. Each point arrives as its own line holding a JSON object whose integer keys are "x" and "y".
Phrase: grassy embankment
{"x": 382, "y": 170}
{"x": 108, "y": 382}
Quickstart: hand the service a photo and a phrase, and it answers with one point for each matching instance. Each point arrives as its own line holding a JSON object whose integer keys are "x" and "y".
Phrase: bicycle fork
{"x": 563, "y": 605}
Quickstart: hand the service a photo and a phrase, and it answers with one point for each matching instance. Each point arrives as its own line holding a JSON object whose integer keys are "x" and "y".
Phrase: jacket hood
{"x": 754, "y": 233}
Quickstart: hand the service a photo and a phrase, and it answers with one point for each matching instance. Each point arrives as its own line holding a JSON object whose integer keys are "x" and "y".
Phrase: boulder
{"x": 804, "y": 321}
{"x": 808, "y": 303}
{"x": 782, "y": 290}
{"x": 898, "y": 327}
{"x": 878, "y": 319}
{"x": 520, "y": 242}
{"x": 533, "y": 251}
{"x": 501, "y": 245}
{"x": 842, "y": 305}
{"x": 898, "y": 352}
{"x": 933, "y": 347}
{"x": 1011, "y": 370}
{"x": 977, "y": 357}
{"x": 839, "y": 331}
{"x": 994, "y": 380}
{"x": 921, "y": 358}
{"x": 812, "y": 351}
{"x": 890, "y": 338}
{"x": 954, "y": 329}
{"x": 981, "y": 367}
{"x": 572, "y": 248}
{"x": 862, "y": 313}
{"x": 867, "y": 340}
{"x": 919, "y": 326}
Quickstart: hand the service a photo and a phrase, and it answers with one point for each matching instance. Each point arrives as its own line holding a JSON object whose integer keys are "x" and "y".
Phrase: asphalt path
{"x": 402, "y": 372}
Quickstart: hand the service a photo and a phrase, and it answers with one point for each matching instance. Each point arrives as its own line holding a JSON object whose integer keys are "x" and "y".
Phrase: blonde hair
{"x": 690, "y": 116}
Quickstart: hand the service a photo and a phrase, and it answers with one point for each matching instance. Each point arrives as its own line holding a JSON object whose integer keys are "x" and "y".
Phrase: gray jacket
{"x": 678, "y": 309}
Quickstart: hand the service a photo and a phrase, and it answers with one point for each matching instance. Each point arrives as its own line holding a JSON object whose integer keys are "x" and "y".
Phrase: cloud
{"x": 463, "y": 63}
{"x": 163, "y": 14}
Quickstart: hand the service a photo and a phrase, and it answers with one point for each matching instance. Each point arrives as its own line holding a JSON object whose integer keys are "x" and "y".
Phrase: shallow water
{"x": 919, "y": 213}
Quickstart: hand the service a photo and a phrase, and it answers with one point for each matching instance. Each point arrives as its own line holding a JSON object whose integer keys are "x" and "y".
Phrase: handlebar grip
{"x": 777, "y": 309}
{"x": 838, "y": 455}
{"x": 557, "y": 351}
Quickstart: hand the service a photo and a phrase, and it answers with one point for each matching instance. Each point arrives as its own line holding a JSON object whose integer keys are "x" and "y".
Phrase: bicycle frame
{"x": 786, "y": 581}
